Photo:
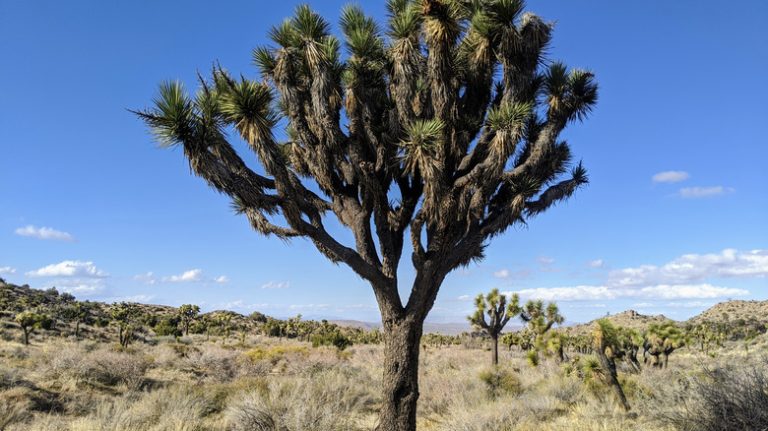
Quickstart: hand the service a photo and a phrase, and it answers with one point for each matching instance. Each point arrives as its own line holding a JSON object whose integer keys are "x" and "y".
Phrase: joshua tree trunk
{"x": 401, "y": 371}
{"x": 26, "y": 335}
{"x": 633, "y": 361}
{"x": 613, "y": 381}
{"x": 77, "y": 329}
{"x": 495, "y": 344}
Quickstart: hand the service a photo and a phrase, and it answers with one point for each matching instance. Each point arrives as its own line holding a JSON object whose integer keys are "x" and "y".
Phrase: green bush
{"x": 167, "y": 327}
{"x": 331, "y": 338}
{"x": 533, "y": 358}
{"x": 500, "y": 381}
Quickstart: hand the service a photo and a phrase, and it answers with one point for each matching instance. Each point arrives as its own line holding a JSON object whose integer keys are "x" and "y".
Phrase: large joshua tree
{"x": 445, "y": 124}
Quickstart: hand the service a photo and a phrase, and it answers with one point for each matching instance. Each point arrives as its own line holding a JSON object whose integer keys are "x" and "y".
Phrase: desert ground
{"x": 243, "y": 380}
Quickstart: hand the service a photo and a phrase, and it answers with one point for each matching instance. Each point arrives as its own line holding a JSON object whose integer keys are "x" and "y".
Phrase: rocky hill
{"x": 627, "y": 319}
{"x": 731, "y": 311}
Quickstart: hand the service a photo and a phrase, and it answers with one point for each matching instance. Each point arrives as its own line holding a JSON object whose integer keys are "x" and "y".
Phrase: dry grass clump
{"x": 721, "y": 399}
{"x": 330, "y": 400}
{"x": 166, "y": 409}
{"x": 211, "y": 363}
{"x": 97, "y": 367}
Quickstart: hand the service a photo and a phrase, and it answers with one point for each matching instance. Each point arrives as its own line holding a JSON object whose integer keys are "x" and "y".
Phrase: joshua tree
{"x": 606, "y": 343}
{"x": 539, "y": 320}
{"x": 629, "y": 342}
{"x": 124, "y": 315}
{"x": 28, "y": 321}
{"x": 515, "y": 339}
{"x": 78, "y": 312}
{"x": 188, "y": 313}
{"x": 661, "y": 339}
{"x": 704, "y": 335}
{"x": 499, "y": 312}
{"x": 224, "y": 325}
{"x": 446, "y": 125}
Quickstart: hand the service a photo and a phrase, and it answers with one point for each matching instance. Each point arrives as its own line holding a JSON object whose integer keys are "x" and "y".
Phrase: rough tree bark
{"x": 401, "y": 372}
{"x": 495, "y": 347}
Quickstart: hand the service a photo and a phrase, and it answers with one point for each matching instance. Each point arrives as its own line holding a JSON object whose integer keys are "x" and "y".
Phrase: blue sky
{"x": 91, "y": 205}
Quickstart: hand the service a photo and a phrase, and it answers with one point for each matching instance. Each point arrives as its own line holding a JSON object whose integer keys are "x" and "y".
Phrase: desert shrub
{"x": 722, "y": 399}
{"x": 533, "y": 358}
{"x": 168, "y": 409}
{"x": 331, "y": 337}
{"x": 494, "y": 416}
{"x": 328, "y": 401}
{"x": 9, "y": 377}
{"x": 167, "y": 327}
{"x": 103, "y": 367}
{"x": 13, "y": 408}
{"x": 211, "y": 363}
{"x": 275, "y": 354}
{"x": 500, "y": 381}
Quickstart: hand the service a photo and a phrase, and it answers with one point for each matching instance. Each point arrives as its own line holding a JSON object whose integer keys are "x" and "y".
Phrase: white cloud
{"x": 187, "y": 276}
{"x": 308, "y": 306}
{"x": 690, "y": 304}
{"x": 7, "y": 270}
{"x": 695, "y": 267}
{"x": 276, "y": 285}
{"x": 691, "y": 291}
{"x": 147, "y": 278}
{"x": 222, "y": 279}
{"x": 597, "y": 263}
{"x": 464, "y": 298}
{"x": 670, "y": 177}
{"x": 81, "y": 287}
{"x": 704, "y": 192}
{"x": 69, "y": 268}
{"x": 597, "y": 293}
{"x": 545, "y": 260}
{"x": 573, "y": 293}
{"x": 502, "y": 273}
{"x": 685, "y": 277}
{"x": 44, "y": 233}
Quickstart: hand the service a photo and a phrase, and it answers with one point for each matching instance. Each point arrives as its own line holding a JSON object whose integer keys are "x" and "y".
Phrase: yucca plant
{"x": 444, "y": 123}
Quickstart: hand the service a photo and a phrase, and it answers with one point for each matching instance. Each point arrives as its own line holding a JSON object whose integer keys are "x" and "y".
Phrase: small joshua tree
{"x": 188, "y": 313}
{"x": 539, "y": 320}
{"x": 495, "y": 306}
{"x": 78, "y": 312}
{"x": 124, "y": 315}
{"x": 28, "y": 321}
